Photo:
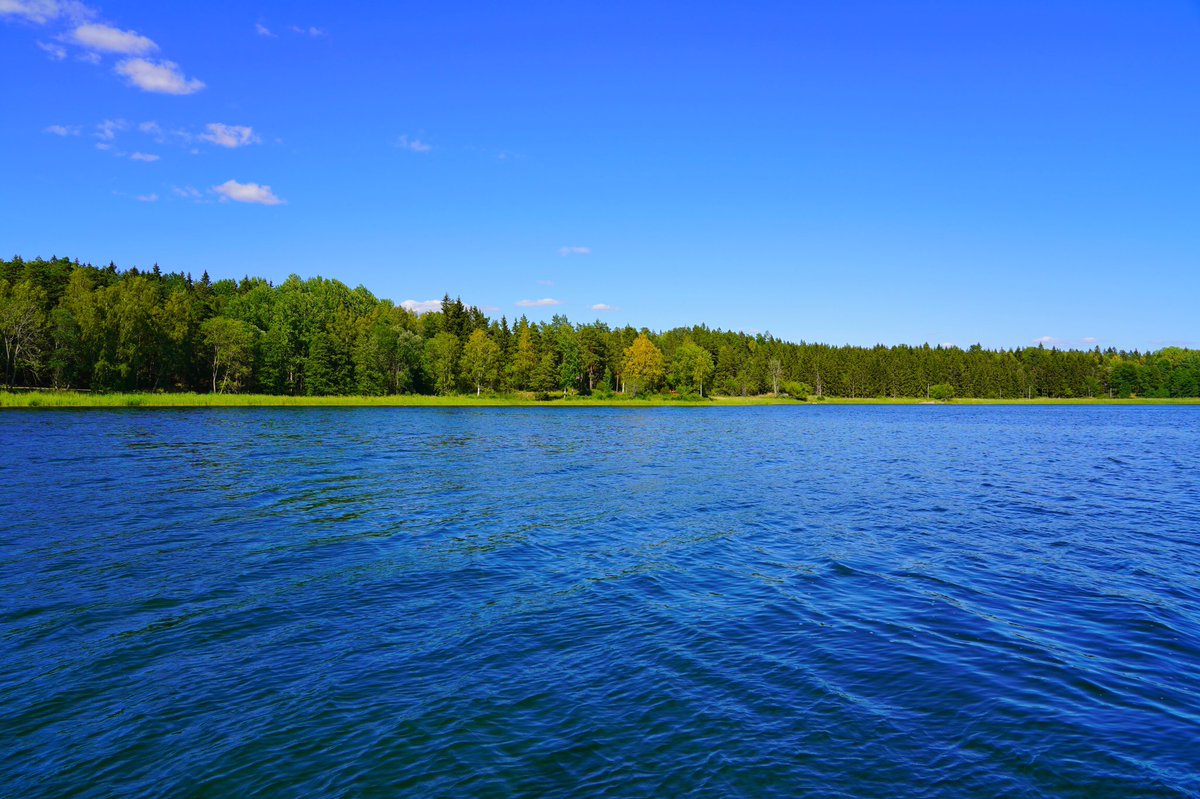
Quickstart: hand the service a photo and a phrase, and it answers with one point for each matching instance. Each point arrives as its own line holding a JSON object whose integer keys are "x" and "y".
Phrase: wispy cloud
{"x": 263, "y": 30}
{"x": 311, "y": 30}
{"x": 247, "y": 193}
{"x": 62, "y": 130}
{"x": 39, "y": 12}
{"x": 545, "y": 302}
{"x": 545, "y": 282}
{"x": 422, "y": 306}
{"x": 55, "y": 51}
{"x": 412, "y": 145}
{"x": 604, "y": 307}
{"x": 229, "y": 135}
{"x": 147, "y": 198}
{"x": 107, "y": 39}
{"x": 147, "y": 157}
{"x": 160, "y": 77}
{"x": 574, "y": 250}
{"x": 108, "y": 129}
{"x": 188, "y": 193}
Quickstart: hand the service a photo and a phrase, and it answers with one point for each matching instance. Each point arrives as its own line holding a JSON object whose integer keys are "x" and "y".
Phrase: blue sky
{"x": 849, "y": 172}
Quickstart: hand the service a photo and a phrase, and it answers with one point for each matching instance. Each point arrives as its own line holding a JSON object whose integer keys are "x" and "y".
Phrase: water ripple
{"x": 827, "y": 602}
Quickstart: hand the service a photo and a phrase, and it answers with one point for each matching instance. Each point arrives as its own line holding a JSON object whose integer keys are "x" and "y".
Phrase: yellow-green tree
{"x": 693, "y": 365}
{"x": 231, "y": 343}
{"x": 22, "y": 327}
{"x": 481, "y": 360}
{"x": 643, "y": 365}
{"x": 442, "y": 353}
{"x": 525, "y": 360}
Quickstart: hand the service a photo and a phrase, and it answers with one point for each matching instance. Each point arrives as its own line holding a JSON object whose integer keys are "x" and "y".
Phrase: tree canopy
{"x": 69, "y": 325}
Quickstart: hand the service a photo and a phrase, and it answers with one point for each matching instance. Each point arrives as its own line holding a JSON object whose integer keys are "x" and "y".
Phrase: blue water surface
{"x": 777, "y": 601}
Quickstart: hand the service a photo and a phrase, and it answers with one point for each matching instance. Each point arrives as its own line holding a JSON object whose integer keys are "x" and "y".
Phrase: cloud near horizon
{"x": 1054, "y": 341}
{"x": 601, "y": 306}
{"x": 247, "y": 193}
{"x": 421, "y": 306}
{"x": 545, "y": 302}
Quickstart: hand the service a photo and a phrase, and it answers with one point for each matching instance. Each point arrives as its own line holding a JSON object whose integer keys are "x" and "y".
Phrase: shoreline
{"x": 62, "y": 399}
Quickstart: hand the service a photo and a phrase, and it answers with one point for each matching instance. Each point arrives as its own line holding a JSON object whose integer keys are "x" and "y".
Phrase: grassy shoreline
{"x": 67, "y": 399}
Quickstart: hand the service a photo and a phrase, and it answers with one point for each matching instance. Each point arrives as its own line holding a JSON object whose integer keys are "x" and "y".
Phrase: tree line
{"x": 67, "y": 325}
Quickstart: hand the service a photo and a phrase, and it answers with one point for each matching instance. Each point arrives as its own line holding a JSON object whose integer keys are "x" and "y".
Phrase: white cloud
{"x": 162, "y": 77}
{"x": 38, "y": 12}
{"x": 187, "y": 192}
{"x": 247, "y": 193}
{"x": 311, "y": 30}
{"x": 412, "y": 145}
{"x": 107, "y": 39}
{"x": 1089, "y": 340}
{"x": 422, "y": 306}
{"x": 147, "y": 157}
{"x": 102, "y": 145}
{"x": 229, "y": 135}
{"x": 600, "y": 306}
{"x": 62, "y": 130}
{"x": 147, "y": 198}
{"x": 574, "y": 250}
{"x": 545, "y": 282}
{"x": 493, "y": 309}
{"x": 262, "y": 30}
{"x": 108, "y": 129}
{"x": 56, "y": 51}
{"x": 542, "y": 303}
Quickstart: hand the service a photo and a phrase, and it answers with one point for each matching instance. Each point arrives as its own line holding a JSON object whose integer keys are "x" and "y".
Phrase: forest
{"x": 66, "y": 325}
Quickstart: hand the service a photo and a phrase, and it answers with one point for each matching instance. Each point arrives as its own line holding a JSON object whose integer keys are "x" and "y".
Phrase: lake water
{"x": 778, "y": 601}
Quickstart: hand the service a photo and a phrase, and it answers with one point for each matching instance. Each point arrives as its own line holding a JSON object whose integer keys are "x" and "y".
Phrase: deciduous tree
{"x": 643, "y": 365}
{"x": 481, "y": 360}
